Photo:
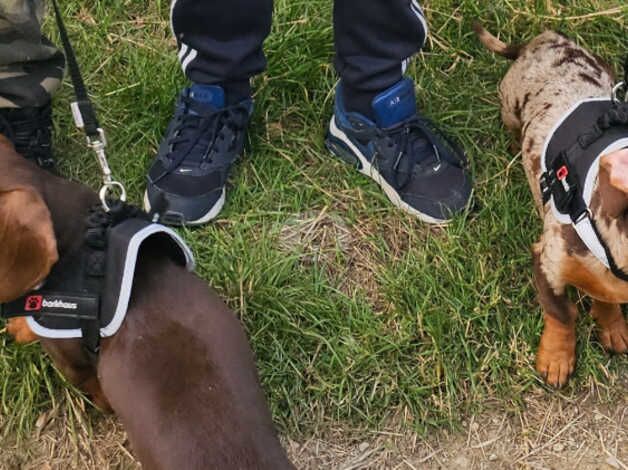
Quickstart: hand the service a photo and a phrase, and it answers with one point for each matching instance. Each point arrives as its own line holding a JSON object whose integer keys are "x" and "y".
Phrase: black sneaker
{"x": 202, "y": 142}
{"x": 30, "y": 130}
{"x": 421, "y": 171}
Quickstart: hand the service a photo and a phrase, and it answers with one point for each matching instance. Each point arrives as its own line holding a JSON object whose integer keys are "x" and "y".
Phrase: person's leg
{"x": 374, "y": 41}
{"x": 31, "y": 70}
{"x": 220, "y": 50}
{"x": 376, "y": 125}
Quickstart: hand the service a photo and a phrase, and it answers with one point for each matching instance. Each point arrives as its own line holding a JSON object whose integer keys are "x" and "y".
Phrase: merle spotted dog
{"x": 549, "y": 75}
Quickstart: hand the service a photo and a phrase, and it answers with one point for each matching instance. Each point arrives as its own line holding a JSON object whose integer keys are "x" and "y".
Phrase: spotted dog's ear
{"x": 28, "y": 247}
{"x": 616, "y": 164}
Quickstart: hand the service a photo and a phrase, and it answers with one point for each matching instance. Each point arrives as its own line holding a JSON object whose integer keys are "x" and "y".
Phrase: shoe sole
{"x": 208, "y": 217}
{"x": 341, "y": 146}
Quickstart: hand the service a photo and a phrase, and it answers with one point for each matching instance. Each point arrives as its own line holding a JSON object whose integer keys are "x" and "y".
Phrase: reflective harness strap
{"x": 589, "y": 235}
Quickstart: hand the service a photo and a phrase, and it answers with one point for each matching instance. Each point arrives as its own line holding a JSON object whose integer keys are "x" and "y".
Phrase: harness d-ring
{"x": 109, "y": 189}
{"x": 617, "y": 89}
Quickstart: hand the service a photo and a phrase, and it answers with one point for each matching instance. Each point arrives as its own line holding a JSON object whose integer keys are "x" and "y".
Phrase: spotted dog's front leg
{"x": 556, "y": 357}
{"x": 613, "y": 331}
{"x": 20, "y": 331}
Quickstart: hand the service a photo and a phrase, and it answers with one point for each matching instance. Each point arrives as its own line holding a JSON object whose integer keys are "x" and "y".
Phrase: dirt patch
{"x": 569, "y": 433}
{"x": 352, "y": 254}
{"x": 345, "y": 252}
{"x": 555, "y": 433}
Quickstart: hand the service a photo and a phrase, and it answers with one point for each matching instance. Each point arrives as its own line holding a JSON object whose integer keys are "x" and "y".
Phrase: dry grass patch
{"x": 549, "y": 432}
{"x": 68, "y": 437}
{"x": 351, "y": 254}
{"x": 552, "y": 432}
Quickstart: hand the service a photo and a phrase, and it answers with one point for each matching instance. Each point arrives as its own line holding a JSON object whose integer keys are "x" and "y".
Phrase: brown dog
{"x": 179, "y": 373}
{"x": 550, "y": 74}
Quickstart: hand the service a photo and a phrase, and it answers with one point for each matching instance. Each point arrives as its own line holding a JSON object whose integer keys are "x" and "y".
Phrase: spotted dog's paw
{"x": 614, "y": 337}
{"x": 556, "y": 358}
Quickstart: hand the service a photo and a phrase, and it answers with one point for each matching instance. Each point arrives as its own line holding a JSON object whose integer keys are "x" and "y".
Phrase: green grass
{"x": 455, "y": 324}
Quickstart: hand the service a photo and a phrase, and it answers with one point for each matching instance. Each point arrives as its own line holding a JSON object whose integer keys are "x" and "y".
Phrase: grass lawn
{"x": 358, "y": 314}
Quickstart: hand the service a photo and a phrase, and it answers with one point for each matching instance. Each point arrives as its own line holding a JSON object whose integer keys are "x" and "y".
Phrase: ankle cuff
{"x": 359, "y": 101}
{"x": 236, "y": 91}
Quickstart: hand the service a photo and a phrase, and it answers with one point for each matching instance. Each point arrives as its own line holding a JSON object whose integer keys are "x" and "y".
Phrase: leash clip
{"x": 110, "y": 186}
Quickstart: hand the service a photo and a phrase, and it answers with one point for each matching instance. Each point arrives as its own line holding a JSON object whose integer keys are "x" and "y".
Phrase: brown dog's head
{"x": 610, "y": 204}
{"x": 28, "y": 247}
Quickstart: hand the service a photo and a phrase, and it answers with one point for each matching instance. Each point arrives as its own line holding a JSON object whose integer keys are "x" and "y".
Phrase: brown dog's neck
{"x": 69, "y": 203}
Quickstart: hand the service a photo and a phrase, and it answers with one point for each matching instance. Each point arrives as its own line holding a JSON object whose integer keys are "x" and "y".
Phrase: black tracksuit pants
{"x": 220, "y": 41}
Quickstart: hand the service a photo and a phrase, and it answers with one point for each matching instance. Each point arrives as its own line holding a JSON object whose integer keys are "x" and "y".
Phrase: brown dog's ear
{"x": 616, "y": 164}
{"x": 28, "y": 247}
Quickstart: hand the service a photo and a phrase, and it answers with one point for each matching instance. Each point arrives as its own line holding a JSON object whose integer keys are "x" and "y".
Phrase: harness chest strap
{"x": 80, "y": 306}
{"x": 570, "y": 163}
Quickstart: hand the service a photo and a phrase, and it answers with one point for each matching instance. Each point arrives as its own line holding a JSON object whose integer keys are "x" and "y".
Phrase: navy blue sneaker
{"x": 202, "y": 142}
{"x": 421, "y": 171}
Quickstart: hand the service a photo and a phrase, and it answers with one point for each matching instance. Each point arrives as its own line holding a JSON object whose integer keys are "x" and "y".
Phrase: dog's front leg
{"x": 71, "y": 361}
{"x": 613, "y": 331}
{"x": 556, "y": 357}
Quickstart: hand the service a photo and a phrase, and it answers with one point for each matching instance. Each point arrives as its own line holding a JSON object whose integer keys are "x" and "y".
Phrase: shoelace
{"x": 210, "y": 126}
{"x": 405, "y": 136}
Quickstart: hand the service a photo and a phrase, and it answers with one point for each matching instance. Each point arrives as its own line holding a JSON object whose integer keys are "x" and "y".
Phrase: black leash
{"x": 84, "y": 104}
{"x": 85, "y": 117}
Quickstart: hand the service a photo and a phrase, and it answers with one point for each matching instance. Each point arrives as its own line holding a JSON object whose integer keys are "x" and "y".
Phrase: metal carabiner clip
{"x": 110, "y": 186}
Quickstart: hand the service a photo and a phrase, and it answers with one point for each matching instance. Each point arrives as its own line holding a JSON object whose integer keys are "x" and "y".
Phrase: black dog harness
{"x": 87, "y": 293}
{"x": 570, "y": 163}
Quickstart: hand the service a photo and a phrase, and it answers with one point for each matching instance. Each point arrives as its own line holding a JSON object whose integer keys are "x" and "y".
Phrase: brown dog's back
{"x": 181, "y": 376}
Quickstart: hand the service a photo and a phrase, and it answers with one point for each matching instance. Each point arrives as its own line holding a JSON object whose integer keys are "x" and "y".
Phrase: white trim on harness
{"x": 126, "y": 287}
{"x": 587, "y": 234}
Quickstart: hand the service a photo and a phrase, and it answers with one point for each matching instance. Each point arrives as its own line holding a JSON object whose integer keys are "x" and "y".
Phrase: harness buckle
{"x": 559, "y": 182}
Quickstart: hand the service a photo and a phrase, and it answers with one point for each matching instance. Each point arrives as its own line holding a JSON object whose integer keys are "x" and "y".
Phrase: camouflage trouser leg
{"x": 31, "y": 67}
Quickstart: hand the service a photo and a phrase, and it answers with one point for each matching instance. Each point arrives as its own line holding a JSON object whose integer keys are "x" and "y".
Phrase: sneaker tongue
{"x": 395, "y": 104}
{"x": 209, "y": 95}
